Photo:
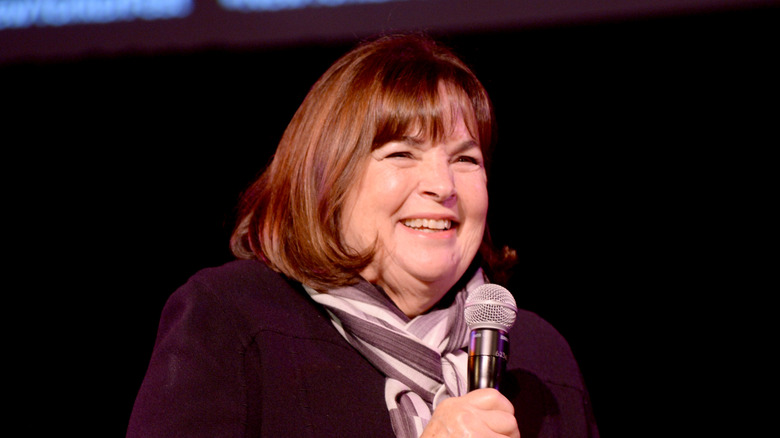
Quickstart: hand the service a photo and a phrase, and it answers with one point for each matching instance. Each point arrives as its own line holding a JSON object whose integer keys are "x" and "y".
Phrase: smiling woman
{"x": 360, "y": 244}
{"x": 388, "y": 99}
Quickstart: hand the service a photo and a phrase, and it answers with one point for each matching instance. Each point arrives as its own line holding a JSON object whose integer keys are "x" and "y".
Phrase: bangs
{"x": 428, "y": 110}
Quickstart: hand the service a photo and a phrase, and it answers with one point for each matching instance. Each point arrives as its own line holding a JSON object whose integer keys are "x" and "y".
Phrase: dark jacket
{"x": 243, "y": 352}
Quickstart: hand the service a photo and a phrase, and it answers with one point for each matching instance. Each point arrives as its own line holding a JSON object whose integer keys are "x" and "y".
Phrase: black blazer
{"x": 243, "y": 352}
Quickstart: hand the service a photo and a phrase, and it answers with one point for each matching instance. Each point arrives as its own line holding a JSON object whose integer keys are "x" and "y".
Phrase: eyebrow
{"x": 412, "y": 141}
{"x": 417, "y": 142}
{"x": 465, "y": 145}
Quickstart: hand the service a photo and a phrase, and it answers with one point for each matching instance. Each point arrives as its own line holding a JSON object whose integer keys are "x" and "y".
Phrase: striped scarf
{"x": 422, "y": 358}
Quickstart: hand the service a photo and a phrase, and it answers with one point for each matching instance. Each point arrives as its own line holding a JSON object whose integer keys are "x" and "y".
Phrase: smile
{"x": 430, "y": 225}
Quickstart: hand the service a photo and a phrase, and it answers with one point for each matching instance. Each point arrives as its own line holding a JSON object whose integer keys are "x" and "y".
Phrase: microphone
{"x": 490, "y": 312}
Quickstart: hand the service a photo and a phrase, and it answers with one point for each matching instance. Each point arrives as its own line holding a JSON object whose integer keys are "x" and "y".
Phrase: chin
{"x": 431, "y": 273}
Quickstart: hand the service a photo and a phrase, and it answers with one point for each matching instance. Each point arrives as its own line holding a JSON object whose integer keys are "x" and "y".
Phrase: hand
{"x": 480, "y": 413}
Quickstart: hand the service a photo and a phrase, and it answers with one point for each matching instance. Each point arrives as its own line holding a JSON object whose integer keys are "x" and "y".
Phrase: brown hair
{"x": 378, "y": 92}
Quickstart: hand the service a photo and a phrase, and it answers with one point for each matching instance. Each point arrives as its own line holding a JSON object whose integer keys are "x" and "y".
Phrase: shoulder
{"x": 544, "y": 382}
{"x": 250, "y": 295}
{"x": 536, "y": 346}
{"x": 238, "y": 275}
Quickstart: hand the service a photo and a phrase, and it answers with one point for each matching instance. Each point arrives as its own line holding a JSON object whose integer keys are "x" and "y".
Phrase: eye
{"x": 400, "y": 154}
{"x": 467, "y": 159}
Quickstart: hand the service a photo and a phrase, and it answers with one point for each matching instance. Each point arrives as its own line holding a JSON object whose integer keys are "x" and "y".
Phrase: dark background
{"x": 623, "y": 145}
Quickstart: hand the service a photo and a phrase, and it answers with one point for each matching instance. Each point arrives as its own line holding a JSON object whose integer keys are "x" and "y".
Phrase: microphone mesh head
{"x": 490, "y": 306}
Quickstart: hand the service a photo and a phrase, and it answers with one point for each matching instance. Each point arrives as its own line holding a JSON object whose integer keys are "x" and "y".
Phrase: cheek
{"x": 477, "y": 212}
{"x": 384, "y": 192}
{"x": 475, "y": 200}
{"x": 366, "y": 208}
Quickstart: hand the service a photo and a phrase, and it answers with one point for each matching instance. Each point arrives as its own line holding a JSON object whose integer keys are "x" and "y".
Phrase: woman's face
{"x": 425, "y": 205}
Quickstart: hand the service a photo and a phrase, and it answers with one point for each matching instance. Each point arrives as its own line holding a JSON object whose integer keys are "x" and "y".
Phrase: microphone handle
{"x": 488, "y": 353}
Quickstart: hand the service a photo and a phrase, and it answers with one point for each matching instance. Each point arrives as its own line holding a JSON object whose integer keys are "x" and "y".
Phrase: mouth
{"x": 428, "y": 225}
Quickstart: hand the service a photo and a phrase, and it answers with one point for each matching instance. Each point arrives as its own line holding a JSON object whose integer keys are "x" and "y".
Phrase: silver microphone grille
{"x": 490, "y": 306}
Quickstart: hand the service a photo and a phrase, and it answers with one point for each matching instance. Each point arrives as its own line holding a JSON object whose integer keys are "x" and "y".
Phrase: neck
{"x": 414, "y": 297}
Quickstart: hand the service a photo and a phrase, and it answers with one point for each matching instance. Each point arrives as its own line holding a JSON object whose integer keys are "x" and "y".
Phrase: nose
{"x": 436, "y": 179}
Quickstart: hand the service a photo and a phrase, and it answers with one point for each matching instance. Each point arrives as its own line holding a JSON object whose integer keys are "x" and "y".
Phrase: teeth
{"x": 429, "y": 224}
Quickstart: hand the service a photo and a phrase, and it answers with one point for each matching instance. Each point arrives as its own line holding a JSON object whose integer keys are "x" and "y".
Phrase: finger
{"x": 461, "y": 416}
{"x": 501, "y": 422}
{"x": 490, "y": 399}
{"x": 464, "y": 424}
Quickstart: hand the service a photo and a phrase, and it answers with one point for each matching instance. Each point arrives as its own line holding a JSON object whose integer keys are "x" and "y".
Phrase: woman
{"x": 359, "y": 244}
